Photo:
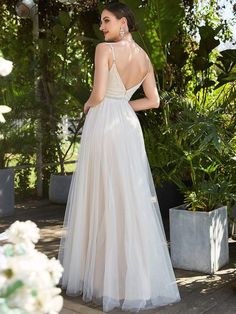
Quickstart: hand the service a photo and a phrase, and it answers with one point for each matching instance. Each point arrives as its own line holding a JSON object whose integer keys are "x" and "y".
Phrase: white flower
{"x": 56, "y": 305}
{"x": 3, "y": 280}
{"x": 22, "y": 299}
{"x": 5, "y": 66}
{"x": 3, "y": 109}
{"x": 55, "y": 269}
{"x": 49, "y": 301}
{"x": 3, "y": 266}
{"x": 23, "y": 232}
{"x": 3, "y": 235}
{"x": 36, "y": 274}
{"x": 3, "y": 259}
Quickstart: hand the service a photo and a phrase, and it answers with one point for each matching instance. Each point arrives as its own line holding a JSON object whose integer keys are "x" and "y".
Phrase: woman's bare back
{"x": 132, "y": 62}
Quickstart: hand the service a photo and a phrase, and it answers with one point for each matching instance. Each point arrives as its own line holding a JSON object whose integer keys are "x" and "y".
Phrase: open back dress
{"x": 114, "y": 250}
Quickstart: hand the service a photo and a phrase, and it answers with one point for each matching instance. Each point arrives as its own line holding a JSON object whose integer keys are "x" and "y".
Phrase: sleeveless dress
{"x": 114, "y": 251}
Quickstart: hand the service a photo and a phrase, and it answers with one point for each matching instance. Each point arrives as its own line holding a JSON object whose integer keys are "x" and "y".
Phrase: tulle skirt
{"x": 114, "y": 251}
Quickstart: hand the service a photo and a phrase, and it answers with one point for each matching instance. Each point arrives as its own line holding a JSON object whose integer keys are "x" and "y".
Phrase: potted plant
{"x": 191, "y": 144}
{"x": 192, "y": 147}
{"x": 201, "y": 154}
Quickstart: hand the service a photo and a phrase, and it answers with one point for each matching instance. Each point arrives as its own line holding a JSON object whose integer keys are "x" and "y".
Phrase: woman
{"x": 114, "y": 251}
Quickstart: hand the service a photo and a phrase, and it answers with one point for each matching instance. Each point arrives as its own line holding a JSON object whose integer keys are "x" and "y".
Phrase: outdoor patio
{"x": 200, "y": 293}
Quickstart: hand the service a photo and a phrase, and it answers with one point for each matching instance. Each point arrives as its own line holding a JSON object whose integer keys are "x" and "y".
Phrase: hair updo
{"x": 122, "y": 10}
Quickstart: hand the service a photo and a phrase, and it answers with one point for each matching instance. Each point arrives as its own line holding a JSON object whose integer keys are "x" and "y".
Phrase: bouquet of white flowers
{"x": 28, "y": 278}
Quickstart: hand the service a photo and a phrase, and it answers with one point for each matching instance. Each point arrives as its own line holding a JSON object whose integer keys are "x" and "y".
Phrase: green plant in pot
{"x": 193, "y": 148}
{"x": 201, "y": 155}
{"x": 201, "y": 164}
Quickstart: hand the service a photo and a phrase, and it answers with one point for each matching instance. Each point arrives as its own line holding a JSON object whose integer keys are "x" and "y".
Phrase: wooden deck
{"x": 200, "y": 293}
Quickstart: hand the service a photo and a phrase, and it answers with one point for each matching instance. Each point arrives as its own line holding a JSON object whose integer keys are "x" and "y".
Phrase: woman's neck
{"x": 127, "y": 37}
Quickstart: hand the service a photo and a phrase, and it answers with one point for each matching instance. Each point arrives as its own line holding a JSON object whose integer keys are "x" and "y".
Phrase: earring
{"x": 122, "y": 32}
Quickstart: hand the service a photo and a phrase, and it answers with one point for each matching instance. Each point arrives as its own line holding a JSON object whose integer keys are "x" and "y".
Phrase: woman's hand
{"x": 86, "y": 107}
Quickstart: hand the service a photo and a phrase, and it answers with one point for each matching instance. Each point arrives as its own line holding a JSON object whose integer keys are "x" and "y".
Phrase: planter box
{"x": 59, "y": 187}
{"x": 199, "y": 240}
{"x": 7, "y": 194}
{"x": 168, "y": 196}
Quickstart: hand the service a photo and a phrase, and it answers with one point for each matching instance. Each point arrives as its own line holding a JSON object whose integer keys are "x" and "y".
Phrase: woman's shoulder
{"x": 102, "y": 50}
{"x": 102, "y": 46}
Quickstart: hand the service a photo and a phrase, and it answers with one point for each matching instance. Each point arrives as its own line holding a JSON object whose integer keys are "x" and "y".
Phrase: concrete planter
{"x": 59, "y": 188}
{"x": 199, "y": 240}
{"x": 7, "y": 193}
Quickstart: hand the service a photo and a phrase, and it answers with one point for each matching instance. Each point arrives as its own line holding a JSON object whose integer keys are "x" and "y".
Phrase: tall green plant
{"x": 194, "y": 150}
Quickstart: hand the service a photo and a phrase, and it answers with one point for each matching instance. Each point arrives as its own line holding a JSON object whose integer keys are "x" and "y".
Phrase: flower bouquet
{"x": 28, "y": 278}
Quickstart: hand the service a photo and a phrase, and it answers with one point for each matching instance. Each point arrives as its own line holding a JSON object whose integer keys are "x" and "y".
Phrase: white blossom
{"x": 3, "y": 266}
{"x": 55, "y": 270}
{"x": 36, "y": 274}
{"x": 5, "y": 66}
{"x": 3, "y": 109}
{"x": 3, "y": 259}
{"x": 23, "y": 232}
{"x": 49, "y": 301}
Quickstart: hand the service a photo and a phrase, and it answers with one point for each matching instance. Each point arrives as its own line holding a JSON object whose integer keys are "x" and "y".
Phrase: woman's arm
{"x": 100, "y": 76}
{"x": 151, "y": 99}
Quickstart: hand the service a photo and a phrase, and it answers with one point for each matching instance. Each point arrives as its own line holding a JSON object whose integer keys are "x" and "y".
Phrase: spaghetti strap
{"x": 149, "y": 68}
{"x": 149, "y": 65}
{"x": 113, "y": 52}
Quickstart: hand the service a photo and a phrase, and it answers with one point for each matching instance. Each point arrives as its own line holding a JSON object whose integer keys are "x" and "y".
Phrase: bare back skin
{"x": 132, "y": 62}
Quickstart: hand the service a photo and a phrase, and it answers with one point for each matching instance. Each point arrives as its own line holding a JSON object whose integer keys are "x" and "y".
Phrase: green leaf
{"x": 65, "y": 19}
{"x": 34, "y": 293}
{"x": 13, "y": 287}
{"x": 158, "y": 24}
{"x": 200, "y": 63}
{"x": 177, "y": 54}
{"x": 8, "y": 250}
{"x": 208, "y": 41}
{"x": 59, "y": 31}
{"x": 169, "y": 14}
{"x": 228, "y": 59}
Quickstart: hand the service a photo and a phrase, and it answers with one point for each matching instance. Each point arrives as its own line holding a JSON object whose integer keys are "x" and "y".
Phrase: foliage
{"x": 189, "y": 141}
{"x": 51, "y": 79}
{"x": 196, "y": 149}
{"x": 53, "y": 73}
{"x": 161, "y": 27}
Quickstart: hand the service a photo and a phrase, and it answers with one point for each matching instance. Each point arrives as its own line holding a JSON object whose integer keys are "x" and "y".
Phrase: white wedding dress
{"x": 114, "y": 249}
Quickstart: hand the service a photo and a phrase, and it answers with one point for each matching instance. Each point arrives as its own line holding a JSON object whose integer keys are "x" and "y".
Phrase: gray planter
{"x": 199, "y": 240}
{"x": 59, "y": 188}
{"x": 7, "y": 194}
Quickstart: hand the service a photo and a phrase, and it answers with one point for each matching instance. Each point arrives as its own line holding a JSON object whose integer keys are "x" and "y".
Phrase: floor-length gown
{"x": 114, "y": 250}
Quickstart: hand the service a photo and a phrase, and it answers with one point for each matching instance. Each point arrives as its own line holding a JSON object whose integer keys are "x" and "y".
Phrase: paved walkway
{"x": 200, "y": 293}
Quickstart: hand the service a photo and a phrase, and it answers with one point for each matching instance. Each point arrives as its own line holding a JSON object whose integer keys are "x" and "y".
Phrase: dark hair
{"x": 122, "y": 10}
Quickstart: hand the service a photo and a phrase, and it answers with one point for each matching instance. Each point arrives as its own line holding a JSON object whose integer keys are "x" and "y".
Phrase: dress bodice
{"x": 115, "y": 86}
